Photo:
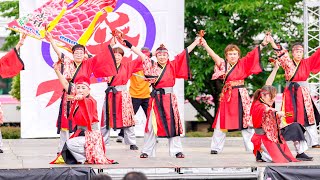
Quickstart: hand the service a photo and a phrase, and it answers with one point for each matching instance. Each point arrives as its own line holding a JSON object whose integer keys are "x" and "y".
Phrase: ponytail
{"x": 266, "y": 88}
{"x": 256, "y": 95}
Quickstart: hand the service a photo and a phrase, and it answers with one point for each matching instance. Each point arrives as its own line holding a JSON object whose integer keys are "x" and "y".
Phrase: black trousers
{"x": 136, "y": 103}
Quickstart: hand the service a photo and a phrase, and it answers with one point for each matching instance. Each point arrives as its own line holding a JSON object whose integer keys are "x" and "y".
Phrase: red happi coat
{"x": 118, "y": 111}
{"x": 296, "y": 98}
{"x": 11, "y": 64}
{"x": 163, "y": 108}
{"x": 101, "y": 65}
{"x": 84, "y": 113}
{"x": 235, "y": 102}
{"x": 272, "y": 139}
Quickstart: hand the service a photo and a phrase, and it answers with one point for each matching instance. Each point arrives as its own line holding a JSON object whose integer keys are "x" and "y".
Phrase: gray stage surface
{"x": 233, "y": 162}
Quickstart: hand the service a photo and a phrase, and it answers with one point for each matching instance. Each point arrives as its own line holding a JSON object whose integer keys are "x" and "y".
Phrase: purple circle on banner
{"x": 137, "y": 5}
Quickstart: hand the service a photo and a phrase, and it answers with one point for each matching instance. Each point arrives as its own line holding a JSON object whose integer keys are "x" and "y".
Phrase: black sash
{"x": 159, "y": 103}
{"x": 114, "y": 112}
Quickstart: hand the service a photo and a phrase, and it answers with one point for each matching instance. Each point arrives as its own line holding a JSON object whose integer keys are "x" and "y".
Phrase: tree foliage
{"x": 10, "y": 9}
{"x": 239, "y": 22}
{"x": 15, "y": 87}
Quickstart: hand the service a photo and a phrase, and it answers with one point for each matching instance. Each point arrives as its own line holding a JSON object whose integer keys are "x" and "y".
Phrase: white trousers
{"x": 311, "y": 135}
{"x": 76, "y": 147}
{"x": 129, "y": 135}
{"x": 150, "y": 142}
{"x": 64, "y": 136}
{"x": 265, "y": 155}
{"x": 219, "y": 138}
{"x": 300, "y": 146}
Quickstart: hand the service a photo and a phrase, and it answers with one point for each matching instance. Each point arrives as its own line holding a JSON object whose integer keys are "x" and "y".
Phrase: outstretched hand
{"x": 78, "y": 97}
{"x": 269, "y": 38}
{"x": 21, "y": 41}
{"x": 118, "y": 35}
{"x": 266, "y": 39}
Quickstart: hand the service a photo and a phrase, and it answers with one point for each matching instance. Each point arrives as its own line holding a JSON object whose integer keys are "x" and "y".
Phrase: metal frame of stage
{"x": 311, "y": 19}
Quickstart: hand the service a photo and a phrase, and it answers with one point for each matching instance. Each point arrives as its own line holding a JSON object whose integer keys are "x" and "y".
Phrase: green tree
{"x": 11, "y": 9}
{"x": 238, "y": 22}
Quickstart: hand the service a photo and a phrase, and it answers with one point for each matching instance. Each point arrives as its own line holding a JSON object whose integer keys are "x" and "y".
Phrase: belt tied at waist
{"x": 94, "y": 126}
{"x": 161, "y": 91}
{"x": 259, "y": 131}
{"x": 228, "y": 86}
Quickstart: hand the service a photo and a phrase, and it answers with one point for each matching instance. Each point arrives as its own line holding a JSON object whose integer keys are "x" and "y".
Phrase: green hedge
{"x": 10, "y": 132}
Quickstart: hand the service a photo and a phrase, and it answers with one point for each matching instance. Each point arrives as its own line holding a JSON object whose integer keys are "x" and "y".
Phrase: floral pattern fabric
{"x": 127, "y": 110}
{"x": 270, "y": 126}
{"x": 290, "y": 69}
{"x": 95, "y": 148}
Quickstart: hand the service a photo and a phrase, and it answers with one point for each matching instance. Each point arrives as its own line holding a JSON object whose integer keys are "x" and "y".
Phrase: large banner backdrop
{"x": 146, "y": 23}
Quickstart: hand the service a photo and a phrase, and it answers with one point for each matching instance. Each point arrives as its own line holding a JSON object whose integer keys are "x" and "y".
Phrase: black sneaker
{"x": 214, "y": 152}
{"x": 134, "y": 147}
{"x": 304, "y": 157}
{"x": 259, "y": 157}
{"x": 1, "y": 151}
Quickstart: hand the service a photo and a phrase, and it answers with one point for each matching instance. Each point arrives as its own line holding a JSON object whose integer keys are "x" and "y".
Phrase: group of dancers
{"x": 264, "y": 129}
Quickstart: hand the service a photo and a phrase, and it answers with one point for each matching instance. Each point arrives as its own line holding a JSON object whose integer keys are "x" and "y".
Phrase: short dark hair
{"x": 78, "y": 46}
{"x": 135, "y": 176}
{"x": 101, "y": 177}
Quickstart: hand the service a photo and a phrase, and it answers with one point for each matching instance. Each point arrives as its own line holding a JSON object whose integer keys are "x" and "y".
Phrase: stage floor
{"x": 37, "y": 153}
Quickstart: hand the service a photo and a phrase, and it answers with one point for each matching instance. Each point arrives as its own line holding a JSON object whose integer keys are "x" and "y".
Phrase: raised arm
{"x": 62, "y": 79}
{"x": 193, "y": 44}
{"x": 20, "y": 43}
{"x": 266, "y": 40}
{"x": 135, "y": 50}
{"x": 53, "y": 44}
{"x": 273, "y": 74}
{"x": 216, "y": 58}
{"x": 271, "y": 41}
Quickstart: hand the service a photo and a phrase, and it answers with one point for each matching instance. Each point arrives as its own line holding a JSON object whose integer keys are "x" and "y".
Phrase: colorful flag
{"x": 69, "y": 21}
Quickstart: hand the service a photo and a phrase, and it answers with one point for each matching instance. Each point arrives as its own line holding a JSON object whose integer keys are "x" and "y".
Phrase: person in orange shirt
{"x": 140, "y": 92}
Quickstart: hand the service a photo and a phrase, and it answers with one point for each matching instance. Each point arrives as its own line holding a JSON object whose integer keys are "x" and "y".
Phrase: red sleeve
{"x": 181, "y": 65}
{"x": 10, "y": 64}
{"x": 103, "y": 64}
{"x": 257, "y": 110}
{"x": 314, "y": 62}
{"x": 134, "y": 66}
{"x": 252, "y": 62}
{"x": 88, "y": 108}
